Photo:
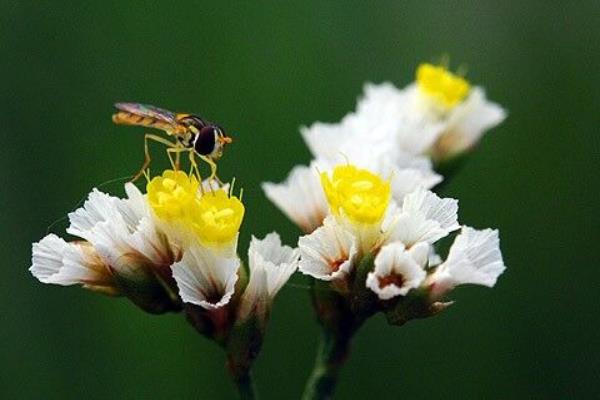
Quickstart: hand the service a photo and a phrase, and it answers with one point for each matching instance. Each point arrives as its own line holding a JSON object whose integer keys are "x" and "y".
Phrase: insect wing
{"x": 145, "y": 110}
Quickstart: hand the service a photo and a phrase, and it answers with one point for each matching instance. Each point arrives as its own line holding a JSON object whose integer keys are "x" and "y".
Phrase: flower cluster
{"x": 372, "y": 226}
{"x": 371, "y": 243}
{"x": 173, "y": 248}
{"x": 403, "y": 133}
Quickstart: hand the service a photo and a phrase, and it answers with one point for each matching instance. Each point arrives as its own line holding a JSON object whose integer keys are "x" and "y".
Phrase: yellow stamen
{"x": 356, "y": 193}
{"x": 213, "y": 218}
{"x": 442, "y": 85}
{"x": 217, "y": 217}
{"x": 172, "y": 194}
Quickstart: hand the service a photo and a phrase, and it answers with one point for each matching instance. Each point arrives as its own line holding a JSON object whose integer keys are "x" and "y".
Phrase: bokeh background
{"x": 262, "y": 71}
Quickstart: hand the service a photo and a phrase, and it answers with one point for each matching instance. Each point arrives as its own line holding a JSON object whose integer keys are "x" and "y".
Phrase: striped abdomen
{"x": 127, "y": 118}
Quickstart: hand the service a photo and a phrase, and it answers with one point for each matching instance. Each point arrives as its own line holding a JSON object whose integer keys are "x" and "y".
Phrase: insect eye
{"x": 205, "y": 141}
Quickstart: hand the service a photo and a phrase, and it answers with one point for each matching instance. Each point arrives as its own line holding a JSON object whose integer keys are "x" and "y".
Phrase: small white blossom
{"x": 329, "y": 252}
{"x": 300, "y": 197}
{"x": 423, "y": 217}
{"x": 206, "y": 277}
{"x": 119, "y": 234}
{"x": 474, "y": 258}
{"x": 370, "y": 148}
{"x": 58, "y": 262}
{"x": 270, "y": 265}
{"x": 392, "y": 113}
{"x": 397, "y": 270}
{"x": 123, "y": 231}
{"x": 467, "y": 124}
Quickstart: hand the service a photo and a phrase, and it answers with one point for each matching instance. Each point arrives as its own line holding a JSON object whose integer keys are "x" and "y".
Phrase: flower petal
{"x": 474, "y": 258}
{"x": 329, "y": 252}
{"x": 468, "y": 122}
{"x": 271, "y": 265}
{"x": 424, "y": 217}
{"x": 279, "y": 262}
{"x": 118, "y": 227}
{"x": 206, "y": 278}
{"x": 58, "y": 262}
{"x": 300, "y": 197}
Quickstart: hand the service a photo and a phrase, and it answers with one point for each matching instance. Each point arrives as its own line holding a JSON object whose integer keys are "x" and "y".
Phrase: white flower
{"x": 424, "y": 217}
{"x": 406, "y": 172}
{"x": 391, "y": 113}
{"x": 366, "y": 140}
{"x": 439, "y": 116}
{"x": 382, "y": 119}
{"x": 467, "y": 124}
{"x": 119, "y": 234}
{"x": 397, "y": 270}
{"x": 123, "y": 232}
{"x": 329, "y": 252}
{"x": 300, "y": 197}
{"x": 271, "y": 265}
{"x": 327, "y": 140}
{"x": 121, "y": 252}
{"x": 413, "y": 173}
{"x": 474, "y": 258}
{"x": 205, "y": 277}
{"x": 58, "y": 262}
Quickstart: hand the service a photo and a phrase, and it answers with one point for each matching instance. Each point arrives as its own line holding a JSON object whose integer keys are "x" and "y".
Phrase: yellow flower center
{"x": 172, "y": 194}
{"x": 442, "y": 85}
{"x": 356, "y": 193}
{"x": 217, "y": 217}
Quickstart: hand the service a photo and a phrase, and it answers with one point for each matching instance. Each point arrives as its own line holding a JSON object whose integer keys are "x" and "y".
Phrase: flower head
{"x": 58, "y": 262}
{"x": 329, "y": 252}
{"x": 206, "y": 278}
{"x": 271, "y": 264}
{"x": 474, "y": 258}
{"x": 424, "y": 217}
{"x": 442, "y": 85}
{"x": 357, "y": 194}
{"x": 397, "y": 270}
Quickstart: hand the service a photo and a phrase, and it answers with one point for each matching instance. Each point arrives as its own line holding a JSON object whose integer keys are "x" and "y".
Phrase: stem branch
{"x": 331, "y": 355}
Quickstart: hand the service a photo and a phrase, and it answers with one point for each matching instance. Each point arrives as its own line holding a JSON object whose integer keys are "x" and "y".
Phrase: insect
{"x": 191, "y": 134}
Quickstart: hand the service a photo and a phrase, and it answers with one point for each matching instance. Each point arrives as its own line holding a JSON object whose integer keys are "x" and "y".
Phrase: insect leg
{"x": 147, "y": 158}
{"x": 194, "y": 166}
{"x": 213, "y": 168}
{"x": 177, "y": 163}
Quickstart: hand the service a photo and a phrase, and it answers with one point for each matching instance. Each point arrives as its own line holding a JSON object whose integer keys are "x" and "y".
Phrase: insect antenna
{"x": 80, "y": 202}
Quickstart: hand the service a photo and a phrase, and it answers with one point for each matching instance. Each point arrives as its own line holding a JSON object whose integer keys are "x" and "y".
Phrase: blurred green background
{"x": 262, "y": 71}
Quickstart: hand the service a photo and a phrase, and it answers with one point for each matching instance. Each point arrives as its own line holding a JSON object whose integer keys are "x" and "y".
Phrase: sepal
{"x": 146, "y": 288}
{"x": 415, "y": 305}
{"x": 244, "y": 344}
{"x": 363, "y": 301}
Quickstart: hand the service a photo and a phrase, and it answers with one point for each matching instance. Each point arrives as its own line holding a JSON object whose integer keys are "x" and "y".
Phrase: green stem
{"x": 331, "y": 355}
{"x": 245, "y": 386}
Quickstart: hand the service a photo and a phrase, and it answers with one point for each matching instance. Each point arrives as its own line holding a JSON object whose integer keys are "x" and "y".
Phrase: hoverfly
{"x": 192, "y": 134}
